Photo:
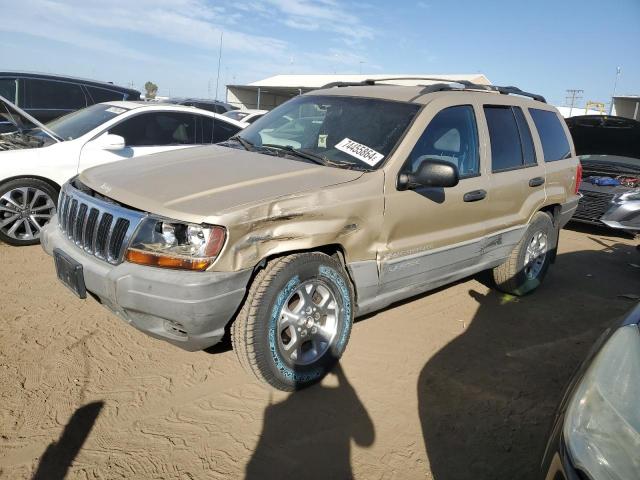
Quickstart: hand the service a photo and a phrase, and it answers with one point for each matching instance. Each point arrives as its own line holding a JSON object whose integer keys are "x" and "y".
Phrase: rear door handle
{"x": 474, "y": 196}
{"x": 536, "y": 182}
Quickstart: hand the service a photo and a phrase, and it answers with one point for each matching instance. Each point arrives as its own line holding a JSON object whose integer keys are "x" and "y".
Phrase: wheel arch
{"x": 52, "y": 183}
{"x": 335, "y": 250}
{"x": 553, "y": 210}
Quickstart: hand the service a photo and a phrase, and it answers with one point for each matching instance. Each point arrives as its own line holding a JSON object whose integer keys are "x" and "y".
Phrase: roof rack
{"x": 443, "y": 86}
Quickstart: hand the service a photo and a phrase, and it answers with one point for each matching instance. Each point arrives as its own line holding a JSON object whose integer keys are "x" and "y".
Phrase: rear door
{"x": 144, "y": 134}
{"x": 557, "y": 154}
{"x": 48, "y": 99}
{"x": 517, "y": 176}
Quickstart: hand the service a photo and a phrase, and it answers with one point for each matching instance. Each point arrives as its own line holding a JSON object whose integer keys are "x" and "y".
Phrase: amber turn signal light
{"x": 142, "y": 257}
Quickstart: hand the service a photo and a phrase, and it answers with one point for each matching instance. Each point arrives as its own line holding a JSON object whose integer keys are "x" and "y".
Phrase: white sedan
{"x": 245, "y": 116}
{"x": 36, "y": 159}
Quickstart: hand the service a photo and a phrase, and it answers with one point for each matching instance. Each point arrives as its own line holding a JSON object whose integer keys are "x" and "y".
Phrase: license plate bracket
{"x": 70, "y": 273}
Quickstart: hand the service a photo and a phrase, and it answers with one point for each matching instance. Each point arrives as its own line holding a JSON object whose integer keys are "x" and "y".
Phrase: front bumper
{"x": 623, "y": 216}
{"x": 188, "y": 309}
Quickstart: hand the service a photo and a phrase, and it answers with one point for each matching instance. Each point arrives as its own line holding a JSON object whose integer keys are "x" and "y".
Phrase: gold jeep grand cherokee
{"x": 335, "y": 204}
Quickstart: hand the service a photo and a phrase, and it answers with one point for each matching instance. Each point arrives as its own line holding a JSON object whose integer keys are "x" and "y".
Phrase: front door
{"x": 435, "y": 235}
{"x": 143, "y": 134}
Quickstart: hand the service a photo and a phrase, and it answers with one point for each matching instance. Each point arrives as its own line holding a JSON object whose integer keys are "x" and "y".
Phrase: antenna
{"x": 219, "y": 60}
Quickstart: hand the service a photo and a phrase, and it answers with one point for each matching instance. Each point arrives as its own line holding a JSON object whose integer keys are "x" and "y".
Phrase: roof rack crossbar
{"x": 445, "y": 84}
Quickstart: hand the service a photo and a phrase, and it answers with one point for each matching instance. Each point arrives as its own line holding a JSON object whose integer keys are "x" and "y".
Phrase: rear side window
{"x": 100, "y": 95}
{"x": 554, "y": 141}
{"x": 8, "y": 89}
{"x": 157, "y": 129}
{"x": 506, "y": 148}
{"x": 451, "y": 136}
{"x": 48, "y": 94}
{"x": 216, "y": 130}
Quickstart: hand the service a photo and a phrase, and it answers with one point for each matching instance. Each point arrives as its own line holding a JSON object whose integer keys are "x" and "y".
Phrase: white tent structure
{"x": 271, "y": 92}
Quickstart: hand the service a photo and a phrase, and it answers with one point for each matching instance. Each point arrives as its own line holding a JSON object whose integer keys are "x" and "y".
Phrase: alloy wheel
{"x": 308, "y": 323}
{"x": 535, "y": 255}
{"x": 24, "y": 211}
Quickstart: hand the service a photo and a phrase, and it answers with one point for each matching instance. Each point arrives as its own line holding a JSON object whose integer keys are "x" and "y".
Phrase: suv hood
{"x": 195, "y": 183}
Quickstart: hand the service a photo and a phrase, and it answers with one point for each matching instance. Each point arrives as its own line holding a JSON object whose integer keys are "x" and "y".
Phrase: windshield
{"x": 78, "y": 123}
{"x": 340, "y": 131}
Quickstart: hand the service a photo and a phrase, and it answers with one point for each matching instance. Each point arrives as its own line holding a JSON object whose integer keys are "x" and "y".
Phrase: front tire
{"x": 527, "y": 265}
{"x": 26, "y": 205}
{"x": 296, "y": 320}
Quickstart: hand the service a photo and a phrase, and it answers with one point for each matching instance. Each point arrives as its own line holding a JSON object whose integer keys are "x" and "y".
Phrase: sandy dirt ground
{"x": 460, "y": 383}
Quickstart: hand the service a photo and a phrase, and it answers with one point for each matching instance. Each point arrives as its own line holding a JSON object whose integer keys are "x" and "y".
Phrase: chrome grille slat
{"x": 98, "y": 227}
{"x": 104, "y": 230}
{"x": 89, "y": 230}
{"x": 73, "y": 211}
{"x": 65, "y": 213}
{"x": 79, "y": 223}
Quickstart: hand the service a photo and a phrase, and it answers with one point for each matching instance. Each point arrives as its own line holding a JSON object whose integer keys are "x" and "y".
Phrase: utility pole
{"x": 219, "y": 60}
{"x": 615, "y": 85}
{"x": 572, "y": 96}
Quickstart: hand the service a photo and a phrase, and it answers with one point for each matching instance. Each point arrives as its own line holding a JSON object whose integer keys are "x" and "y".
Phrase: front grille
{"x": 592, "y": 206}
{"x": 100, "y": 228}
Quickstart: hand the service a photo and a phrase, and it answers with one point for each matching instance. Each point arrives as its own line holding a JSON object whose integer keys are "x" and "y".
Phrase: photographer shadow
{"x": 308, "y": 435}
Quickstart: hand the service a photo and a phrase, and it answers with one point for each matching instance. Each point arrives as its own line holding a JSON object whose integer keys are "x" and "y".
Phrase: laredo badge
{"x": 359, "y": 151}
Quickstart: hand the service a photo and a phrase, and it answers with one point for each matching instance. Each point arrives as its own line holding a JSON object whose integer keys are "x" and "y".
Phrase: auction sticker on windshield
{"x": 116, "y": 110}
{"x": 359, "y": 151}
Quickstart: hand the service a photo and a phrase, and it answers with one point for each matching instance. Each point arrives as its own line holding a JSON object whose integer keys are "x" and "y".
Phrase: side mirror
{"x": 110, "y": 142}
{"x": 430, "y": 173}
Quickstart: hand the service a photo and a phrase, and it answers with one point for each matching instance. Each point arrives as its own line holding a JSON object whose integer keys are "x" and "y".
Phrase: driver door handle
{"x": 474, "y": 195}
{"x": 536, "y": 182}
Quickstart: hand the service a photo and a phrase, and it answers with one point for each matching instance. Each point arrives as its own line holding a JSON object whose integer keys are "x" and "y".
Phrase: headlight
{"x": 602, "y": 425}
{"x": 629, "y": 196}
{"x": 169, "y": 244}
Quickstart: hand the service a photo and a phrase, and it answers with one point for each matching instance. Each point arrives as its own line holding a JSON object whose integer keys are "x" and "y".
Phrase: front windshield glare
{"x": 360, "y": 132}
{"x": 78, "y": 123}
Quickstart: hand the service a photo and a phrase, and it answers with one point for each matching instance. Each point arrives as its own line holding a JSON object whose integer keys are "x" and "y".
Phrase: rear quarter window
{"x": 555, "y": 144}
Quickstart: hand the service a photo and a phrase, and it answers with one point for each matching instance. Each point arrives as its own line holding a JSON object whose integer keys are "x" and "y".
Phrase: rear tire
{"x": 26, "y": 205}
{"x": 296, "y": 320}
{"x": 527, "y": 265}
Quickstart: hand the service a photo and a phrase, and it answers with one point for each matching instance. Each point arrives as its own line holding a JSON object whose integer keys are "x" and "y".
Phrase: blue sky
{"x": 545, "y": 46}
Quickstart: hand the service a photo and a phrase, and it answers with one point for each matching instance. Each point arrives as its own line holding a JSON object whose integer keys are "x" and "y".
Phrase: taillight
{"x": 578, "y": 178}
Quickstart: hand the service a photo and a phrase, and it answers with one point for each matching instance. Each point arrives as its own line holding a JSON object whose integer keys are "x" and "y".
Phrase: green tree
{"x": 152, "y": 90}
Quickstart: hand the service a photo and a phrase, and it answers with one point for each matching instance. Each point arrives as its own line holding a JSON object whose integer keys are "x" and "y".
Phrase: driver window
{"x": 157, "y": 129}
{"x": 451, "y": 136}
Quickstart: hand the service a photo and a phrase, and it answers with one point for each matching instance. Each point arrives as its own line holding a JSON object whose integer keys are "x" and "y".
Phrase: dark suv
{"x": 50, "y": 96}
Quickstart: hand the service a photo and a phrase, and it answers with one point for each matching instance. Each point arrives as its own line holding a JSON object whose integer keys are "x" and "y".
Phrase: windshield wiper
{"x": 300, "y": 153}
{"x": 250, "y": 147}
